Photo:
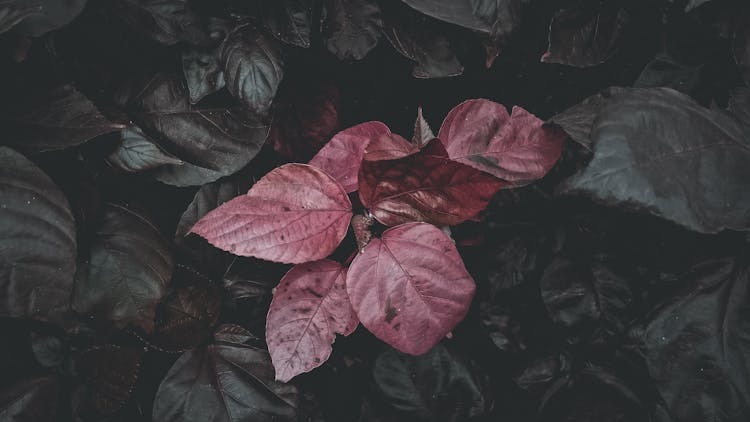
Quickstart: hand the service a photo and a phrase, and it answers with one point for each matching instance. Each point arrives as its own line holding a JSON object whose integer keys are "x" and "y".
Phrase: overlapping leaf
{"x": 309, "y": 308}
{"x": 225, "y": 382}
{"x": 410, "y": 287}
{"x": 296, "y": 213}
{"x": 516, "y": 147}
{"x": 342, "y": 155}
{"x": 61, "y": 118}
{"x": 351, "y": 28}
{"x": 427, "y": 186}
{"x": 165, "y": 21}
{"x": 127, "y": 272}
{"x": 658, "y": 150}
{"x": 253, "y": 67}
{"x": 289, "y": 20}
{"x": 211, "y": 142}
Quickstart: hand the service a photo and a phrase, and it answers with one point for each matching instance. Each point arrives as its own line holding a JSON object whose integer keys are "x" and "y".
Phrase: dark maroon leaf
{"x": 37, "y": 242}
{"x": 351, "y": 28}
{"x": 289, "y": 20}
{"x": 137, "y": 153}
{"x": 127, "y": 272}
{"x": 165, "y": 21}
{"x": 657, "y": 150}
{"x": 188, "y": 313}
{"x": 342, "y": 155}
{"x": 422, "y": 132}
{"x": 225, "y": 382}
{"x": 517, "y": 147}
{"x": 424, "y": 187}
{"x": 438, "y": 386}
{"x": 203, "y": 72}
{"x": 294, "y": 214}
{"x": 61, "y": 118}
{"x": 586, "y": 36}
{"x": 410, "y": 287}
{"x": 309, "y": 308}
{"x": 211, "y": 142}
{"x": 31, "y": 399}
{"x": 421, "y": 40}
{"x": 253, "y": 67}
{"x": 308, "y": 113}
{"x": 110, "y": 373}
{"x": 696, "y": 340}
{"x": 361, "y": 227}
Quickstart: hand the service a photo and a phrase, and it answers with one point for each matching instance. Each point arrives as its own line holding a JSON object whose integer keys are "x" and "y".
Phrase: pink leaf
{"x": 309, "y": 307}
{"x": 296, "y": 213}
{"x": 427, "y": 186}
{"x": 410, "y": 287}
{"x": 517, "y": 148}
{"x": 389, "y": 147}
{"x": 342, "y": 155}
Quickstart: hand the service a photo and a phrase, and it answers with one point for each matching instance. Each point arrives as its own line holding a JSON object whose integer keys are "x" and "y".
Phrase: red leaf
{"x": 389, "y": 147}
{"x": 426, "y": 186}
{"x": 410, "y": 287}
{"x": 342, "y": 155}
{"x": 296, "y": 213}
{"x": 307, "y": 115}
{"x": 309, "y": 307}
{"x": 517, "y": 148}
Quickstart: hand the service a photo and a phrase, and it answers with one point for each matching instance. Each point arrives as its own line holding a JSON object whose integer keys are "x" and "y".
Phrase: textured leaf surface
{"x": 137, "y": 153}
{"x": 37, "y": 242}
{"x": 586, "y": 36}
{"x": 309, "y": 308}
{"x": 127, "y": 272}
{"x": 203, "y": 72}
{"x": 164, "y": 21}
{"x": 208, "y": 197}
{"x": 342, "y": 155}
{"x": 296, "y": 213}
{"x": 225, "y": 382}
{"x": 389, "y": 147}
{"x": 61, "y": 118}
{"x": 696, "y": 344}
{"x": 421, "y": 40}
{"x": 351, "y": 28}
{"x": 659, "y": 151}
{"x": 289, "y": 20}
{"x": 410, "y": 287}
{"x": 253, "y": 67}
{"x": 188, "y": 313}
{"x": 424, "y": 187}
{"x": 515, "y": 147}
{"x": 110, "y": 372}
{"x": 211, "y": 142}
